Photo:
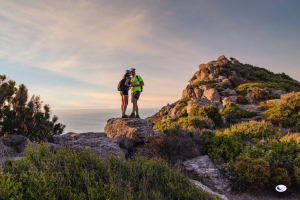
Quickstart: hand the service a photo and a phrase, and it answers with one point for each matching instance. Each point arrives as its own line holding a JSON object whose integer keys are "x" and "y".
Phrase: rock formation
{"x": 205, "y": 169}
{"x": 128, "y": 131}
{"x": 226, "y": 81}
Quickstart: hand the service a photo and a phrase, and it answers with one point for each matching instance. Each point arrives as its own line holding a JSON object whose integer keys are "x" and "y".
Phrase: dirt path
{"x": 266, "y": 195}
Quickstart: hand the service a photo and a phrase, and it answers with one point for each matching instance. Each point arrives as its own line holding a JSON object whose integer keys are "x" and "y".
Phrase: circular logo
{"x": 281, "y": 188}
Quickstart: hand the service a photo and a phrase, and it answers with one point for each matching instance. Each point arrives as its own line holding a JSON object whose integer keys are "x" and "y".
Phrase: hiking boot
{"x": 137, "y": 116}
{"x": 132, "y": 115}
{"x": 125, "y": 116}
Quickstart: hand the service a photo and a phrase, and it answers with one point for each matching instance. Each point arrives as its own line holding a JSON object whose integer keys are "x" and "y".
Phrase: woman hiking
{"x": 124, "y": 93}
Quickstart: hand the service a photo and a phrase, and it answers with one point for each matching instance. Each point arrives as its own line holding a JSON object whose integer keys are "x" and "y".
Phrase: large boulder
{"x": 228, "y": 92}
{"x": 231, "y": 99}
{"x": 204, "y": 168}
{"x": 97, "y": 142}
{"x": 210, "y": 93}
{"x": 136, "y": 130}
{"x": 202, "y": 102}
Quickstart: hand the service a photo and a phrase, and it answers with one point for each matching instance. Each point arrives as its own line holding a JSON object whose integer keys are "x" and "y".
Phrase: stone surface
{"x": 201, "y": 102}
{"x": 203, "y": 167}
{"x": 12, "y": 145}
{"x": 198, "y": 92}
{"x": 136, "y": 130}
{"x": 98, "y": 142}
{"x": 227, "y": 100}
{"x": 226, "y": 82}
{"x": 206, "y": 189}
{"x": 228, "y": 92}
{"x": 211, "y": 94}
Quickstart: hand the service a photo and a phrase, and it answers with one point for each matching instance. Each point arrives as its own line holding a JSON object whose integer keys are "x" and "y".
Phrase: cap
{"x": 132, "y": 69}
{"x": 127, "y": 71}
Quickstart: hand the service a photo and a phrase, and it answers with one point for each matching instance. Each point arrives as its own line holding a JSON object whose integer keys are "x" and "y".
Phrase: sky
{"x": 73, "y": 53}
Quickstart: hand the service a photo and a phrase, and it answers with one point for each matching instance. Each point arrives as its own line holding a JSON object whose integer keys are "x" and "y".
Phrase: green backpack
{"x": 138, "y": 77}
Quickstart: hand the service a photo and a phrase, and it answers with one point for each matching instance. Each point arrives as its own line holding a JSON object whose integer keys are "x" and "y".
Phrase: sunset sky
{"x": 73, "y": 53}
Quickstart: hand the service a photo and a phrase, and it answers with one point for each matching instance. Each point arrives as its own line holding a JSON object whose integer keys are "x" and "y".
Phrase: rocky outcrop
{"x": 205, "y": 169}
{"x": 12, "y": 146}
{"x": 231, "y": 99}
{"x": 207, "y": 189}
{"x": 135, "y": 130}
{"x": 210, "y": 93}
{"x": 97, "y": 142}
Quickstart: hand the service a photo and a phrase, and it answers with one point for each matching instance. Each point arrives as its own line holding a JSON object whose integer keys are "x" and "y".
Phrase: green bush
{"x": 207, "y": 111}
{"x": 190, "y": 121}
{"x": 183, "y": 113}
{"x": 243, "y": 89}
{"x": 69, "y": 175}
{"x": 165, "y": 125}
{"x": 211, "y": 112}
{"x": 183, "y": 103}
{"x": 28, "y": 118}
{"x": 285, "y": 114}
{"x": 233, "y": 109}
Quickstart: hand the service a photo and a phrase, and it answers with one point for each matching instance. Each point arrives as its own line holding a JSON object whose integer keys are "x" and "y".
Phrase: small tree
{"x": 23, "y": 117}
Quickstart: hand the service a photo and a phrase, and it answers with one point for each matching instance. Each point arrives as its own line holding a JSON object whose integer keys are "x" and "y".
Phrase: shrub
{"x": 243, "y": 89}
{"x": 164, "y": 125}
{"x": 211, "y": 112}
{"x": 285, "y": 114}
{"x": 256, "y": 172}
{"x": 69, "y": 175}
{"x": 233, "y": 109}
{"x": 297, "y": 175}
{"x": 195, "y": 111}
{"x": 242, "y": 100}
{"x": 258, "y": 94}
{"x": 280, "y": 176}
{"x": 28, "y": 118}
{"x": 190, "y": 121}
{"x": 183, "y": 113}
{"x": 174, "y": 148}
{"x": 183, "y": 103}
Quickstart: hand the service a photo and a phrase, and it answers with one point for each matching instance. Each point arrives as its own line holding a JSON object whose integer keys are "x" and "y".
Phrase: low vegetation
{"x": 64, "y": 174}
{"x": 285, "y": 112}
{"x": 256, "y": 154}
{"x": 238, "y": 113}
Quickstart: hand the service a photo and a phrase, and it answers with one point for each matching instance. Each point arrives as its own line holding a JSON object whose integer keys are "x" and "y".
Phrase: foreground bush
{"x": 207, "y": 111}
{"x": 256, "y": 154}
{"x": 68, "y": 175}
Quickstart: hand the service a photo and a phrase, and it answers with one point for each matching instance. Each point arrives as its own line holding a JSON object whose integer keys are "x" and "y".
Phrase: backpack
{"x": 138, "y": 77}
{"x": 121, "y": 85}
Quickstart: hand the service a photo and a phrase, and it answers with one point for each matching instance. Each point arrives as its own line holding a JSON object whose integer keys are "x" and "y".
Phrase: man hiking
{"x": 136, "y": 89}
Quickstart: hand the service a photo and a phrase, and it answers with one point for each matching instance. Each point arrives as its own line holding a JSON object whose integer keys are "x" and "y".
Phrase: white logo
{"x": 281, "y": 188}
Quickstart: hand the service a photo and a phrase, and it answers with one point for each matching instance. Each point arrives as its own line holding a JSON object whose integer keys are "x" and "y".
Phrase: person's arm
{"x": 127, "y": 83}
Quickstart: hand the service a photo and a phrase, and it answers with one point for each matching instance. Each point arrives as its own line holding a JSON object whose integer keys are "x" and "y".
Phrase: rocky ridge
{"x": 226, "y": 81}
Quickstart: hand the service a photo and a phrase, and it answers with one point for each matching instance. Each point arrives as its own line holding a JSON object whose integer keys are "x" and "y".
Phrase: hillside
{"x": 224, "y": 81}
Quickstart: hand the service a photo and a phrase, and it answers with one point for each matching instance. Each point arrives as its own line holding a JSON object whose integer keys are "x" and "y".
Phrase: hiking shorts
{"x": 124, "y": 92}
{"x": 136, "y": 95}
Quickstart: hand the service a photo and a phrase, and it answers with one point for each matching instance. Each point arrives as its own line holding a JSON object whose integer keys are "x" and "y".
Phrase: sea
{"x": 93, "y": 120}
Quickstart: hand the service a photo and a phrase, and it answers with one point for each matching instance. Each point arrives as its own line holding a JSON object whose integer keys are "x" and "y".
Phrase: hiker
{"x": 124, "y": 93}
{"x": 136, "y": 86}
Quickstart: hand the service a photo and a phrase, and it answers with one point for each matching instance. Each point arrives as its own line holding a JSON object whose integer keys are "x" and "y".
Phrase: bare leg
{"x": 122, "y": 106}
{"x": 125, "y": 103}
{"x": 134, "y": 101}
{"x": 136, "y": 107}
